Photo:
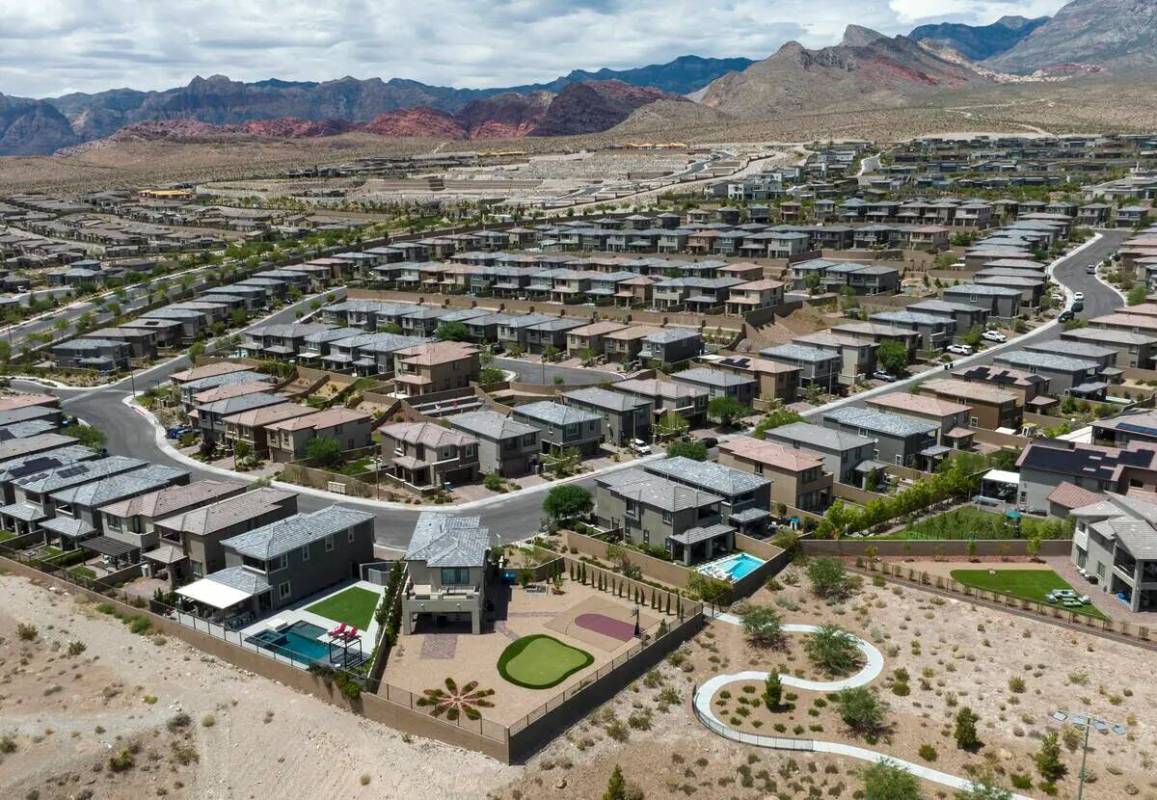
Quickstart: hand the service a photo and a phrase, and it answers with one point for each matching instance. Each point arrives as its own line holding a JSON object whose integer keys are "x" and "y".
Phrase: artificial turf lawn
{"x": 355, "y": 606}
{"x": 540, "y": 661}
{"x": 1026, "y": 584}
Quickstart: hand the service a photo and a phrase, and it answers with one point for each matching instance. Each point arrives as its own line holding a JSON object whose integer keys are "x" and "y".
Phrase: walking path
{"x": 873, "y": 666}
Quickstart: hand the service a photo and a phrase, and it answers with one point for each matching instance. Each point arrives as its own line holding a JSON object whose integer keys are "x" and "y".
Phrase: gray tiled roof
{"x": 490, "y": 424}
{"x": 42, "y": 462}
{"x": 72, "y": 474}
{"x": 981, "y": 289}
{"x": 242, "y": 579}
{"x": 118, "y": 487}
{"x": 226, "y": 513}
{"x": 235, "y": 405}
{"x": 798, "y": 352}
{"x": 884, "y": 422}
{"x": 604, "y": 398}
{"x": 553, "y": 413}
{"x": 278, "y": 538}
{"x": 228, "y": 379}
{"x": 444, "y": 540}
{"x": 707, "y": 475}
{"x": 1031, "y": 358}
{"x": 668, "y": 335}
{"x": 911, "y": 317}
{"x": 656, "y": 491}
{"x": 711, "y": 377}
{"x": 807, "y": 436}
{"x": 22, "y": 430}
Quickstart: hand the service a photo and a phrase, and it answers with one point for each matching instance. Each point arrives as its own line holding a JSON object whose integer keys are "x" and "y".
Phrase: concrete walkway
{"x": 873, "y": 666}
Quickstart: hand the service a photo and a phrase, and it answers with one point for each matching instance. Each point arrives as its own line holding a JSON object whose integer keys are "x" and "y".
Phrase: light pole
{"x": 1088, "y": 722}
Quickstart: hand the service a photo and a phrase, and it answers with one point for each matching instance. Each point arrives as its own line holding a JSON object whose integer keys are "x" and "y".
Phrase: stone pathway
{"x": 439, "y": 646}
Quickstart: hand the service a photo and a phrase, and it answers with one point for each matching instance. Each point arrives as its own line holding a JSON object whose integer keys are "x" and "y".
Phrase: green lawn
{"x": 539, "y": 662}
{"x": 354, "y": 606}
{"x": 1027, "y": 584}
{"x": 972, "y": 523}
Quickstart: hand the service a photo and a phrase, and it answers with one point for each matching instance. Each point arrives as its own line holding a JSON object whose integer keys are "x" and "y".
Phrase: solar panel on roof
{"x": 68, "y": 472}
{"x": 1132, "y": 427}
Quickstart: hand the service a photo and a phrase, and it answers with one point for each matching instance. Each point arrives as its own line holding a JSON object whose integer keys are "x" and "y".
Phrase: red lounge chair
{"x": 339, "y": 632}
{"x": 352, "y": 633}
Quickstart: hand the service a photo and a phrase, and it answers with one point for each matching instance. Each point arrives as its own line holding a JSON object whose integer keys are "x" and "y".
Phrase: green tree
{"x": 965, "y": 731}
{"x": 775, "y": 419}
{"x": 490, "y": 376}
{"x": 86, "y": 435}
{"x": 973, "y": 337}
{"x": 726, "y": 409}
{"x": 763, "y": 626}
{"x": 812, "y": 282}
{"x": 887, "y": 780}
{"x": 241, "y": 451}
{"x": 672, "y": 423}
{"x": 892, "y": 356}
{"x": 862, "y": 710}
{"x": 568, "y": 502}
{"x": 708, "y": 589}
{"x": 391, "y": 327}
{"x": 5, "y": 352}
{"x": 773, "y": 691}
{"x": 323, "y": 450}
{"x": 688, "y": 448}
{"x": 833, "y": 650}
{"x": 1048, "y": 759}
{"x": 1136, "y": 295}
{"x": 452, "y": 331}
{"x": 828, "y": 577}
{"x": 616, "y": 786}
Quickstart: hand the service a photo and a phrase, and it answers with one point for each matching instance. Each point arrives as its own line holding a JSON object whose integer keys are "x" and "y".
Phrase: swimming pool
{"x": 734, "y": 567}
{"x": 299, "y": 640}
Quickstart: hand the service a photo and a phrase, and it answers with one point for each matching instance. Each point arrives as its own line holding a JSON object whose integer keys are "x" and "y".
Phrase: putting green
{"x": 540, "y": 661}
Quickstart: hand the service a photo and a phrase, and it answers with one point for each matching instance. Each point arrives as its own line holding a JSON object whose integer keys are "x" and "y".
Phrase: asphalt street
{"x": 515, "y": 516}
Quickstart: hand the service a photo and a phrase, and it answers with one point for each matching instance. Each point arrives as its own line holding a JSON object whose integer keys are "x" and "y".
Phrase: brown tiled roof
{"x": 208, "y": 371}
{"x": 772, "y": 454}
{"x": 320, "y": 419}
{"x": 174, "y": 499}
{"x": 1069, "y": 495}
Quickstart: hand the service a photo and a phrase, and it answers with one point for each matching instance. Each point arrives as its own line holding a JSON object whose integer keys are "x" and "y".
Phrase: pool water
{"x": 299, "y": 640}
{"x": 734, "y": 567}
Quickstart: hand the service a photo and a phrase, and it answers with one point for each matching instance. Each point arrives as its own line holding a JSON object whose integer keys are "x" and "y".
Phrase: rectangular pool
{"x": 300, "y": 641}
{"x": 734, "y": 567}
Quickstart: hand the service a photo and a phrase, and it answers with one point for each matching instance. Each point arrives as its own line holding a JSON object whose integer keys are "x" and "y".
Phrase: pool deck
{"x": 709, "y": 567}
{"x": 297, "y": 613}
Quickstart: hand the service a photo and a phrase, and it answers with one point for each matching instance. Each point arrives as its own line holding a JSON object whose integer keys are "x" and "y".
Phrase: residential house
{"x": 817, "y": 366}
{"x": 746, "y": 497}
{"x": 141, "y": 342}
{"x": 1115, "y": 541}
{"x": 506, "y": 446}
{"x": 1067, "y": 375}
{"x": 281, "y": 563}
{"x": 625, "y": 417}
{"x": 774, "y": 380}
{"x": 248, "y": 428}
{"x": 951, "y": 418}
{"x": 1047, "y": 463}
{"x": 102, "y": 355}
{"x": 1122, "y": 431}
{"x": 880, "y": 333}
{"x": 199, "y": 531}
{"x": 719, "y": 383}
{"x": 29, "y": 491}
{"x": 842, "y": 452}
{"x": 210, "y": 417}
{"x": 936, "y": 332}
{"x": 288, "y": 439}
{"x": 435, "y": 367}
{"x": 426, "y": 455}
{"x": 1133, "y": 349}
{"x": 587, "y": 341}
{"x": 626, "y": 345}
{"x": 1030, "y": 389}
{"x": 671, "y": 346}
{"x": 964, "y": 315}
{"x": 999, "y": 301}
{"x": 689, "y": 402}
{"x": 446, "y": 572}
{"x": 563, "y": 427}
{"x": 900, "y": 440}
{"x": 992, "y": 407}
{"x": 798, "y": 477}
{"x": 857, "y": 356}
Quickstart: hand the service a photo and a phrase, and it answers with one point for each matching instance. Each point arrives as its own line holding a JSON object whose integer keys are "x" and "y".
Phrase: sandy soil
{"x": 66, "y": 715}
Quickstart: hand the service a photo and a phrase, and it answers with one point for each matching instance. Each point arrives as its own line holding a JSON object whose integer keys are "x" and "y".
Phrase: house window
{"x": 667, "y": 517}
{"x": 284, "y": 590}
{"x": 455, "y": 576}
{"x": 329, "y": 543}
{"x": 900, "y": 460}
{"x": 281, "y": 562}
{"x": 305, "y": 553}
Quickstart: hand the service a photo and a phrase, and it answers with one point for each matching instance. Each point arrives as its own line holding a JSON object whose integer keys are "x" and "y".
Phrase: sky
{"x": 53, "y": 47}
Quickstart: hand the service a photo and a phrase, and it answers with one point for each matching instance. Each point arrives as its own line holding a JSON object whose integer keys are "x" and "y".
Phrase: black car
{"x": 1065, "y": 316}
{"x": 1078, "y": 306}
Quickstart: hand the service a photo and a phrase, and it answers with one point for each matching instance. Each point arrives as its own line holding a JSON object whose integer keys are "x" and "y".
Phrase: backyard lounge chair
{"x": 352, "y": 633}
{"x": 339, "y": 632}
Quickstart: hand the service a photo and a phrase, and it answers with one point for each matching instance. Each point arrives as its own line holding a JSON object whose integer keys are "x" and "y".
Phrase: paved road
{"x": 545, "y": 374}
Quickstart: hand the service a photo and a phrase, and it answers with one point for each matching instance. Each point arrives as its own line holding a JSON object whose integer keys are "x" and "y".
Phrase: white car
{"x": 960, "y": 349}
{"x": 994, "y": 336}
{"x": 1078, "y": 295}
{"x": 640, "y": 447}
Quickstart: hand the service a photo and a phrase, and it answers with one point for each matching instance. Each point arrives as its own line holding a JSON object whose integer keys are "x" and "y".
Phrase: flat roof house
{"x": 656, "y": 512}
{"x": 625, "y": 417}
{"x": 279, "y": 564}
{"x": 1115, "y": 540}
{"x": 719, "y": 383}
{"x": 426, "y": 455}
{"x": 900, "y": 440}
{"x": 288, "y": 439}
{"x": 506, "y": 446}
{"x": 446, "y": 572}
{"x": 992, "y": 407}
{"x": 841, "y": 451}
{"x": 563, "y": 427}
{"x": 746, "y": 497}
{"x": 798, "y": 478}
{"x": 199, "y": 531}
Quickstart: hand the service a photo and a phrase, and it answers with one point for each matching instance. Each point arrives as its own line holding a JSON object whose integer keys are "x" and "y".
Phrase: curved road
{"x": 509, "y": 517}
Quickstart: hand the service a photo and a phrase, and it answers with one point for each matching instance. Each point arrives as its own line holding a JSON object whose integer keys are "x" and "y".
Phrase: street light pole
{"x": 1084, "y": 758}
{"x": 1086, "y": 721}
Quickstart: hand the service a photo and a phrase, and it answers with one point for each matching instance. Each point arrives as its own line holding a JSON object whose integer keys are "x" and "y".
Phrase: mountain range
{"x": 865, "y": 70}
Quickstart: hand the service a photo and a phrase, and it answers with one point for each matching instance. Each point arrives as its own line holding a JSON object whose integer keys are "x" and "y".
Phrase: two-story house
{"x": 426, "y": 455}
{"x": 446, "y": 572}
{"x": 506, "y": 446}
{"x": 625, "y": 417}
{"x": 798, "y": 477}
{"x": 288, "y": 439}
{"x": 562, "y": 427}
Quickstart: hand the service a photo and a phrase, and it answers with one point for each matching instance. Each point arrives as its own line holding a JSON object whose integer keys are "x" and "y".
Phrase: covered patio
{"x": 69, "y": 532}
{"x": 232, "y": 597}
{"x": 696, "y": 545}
{"x": 114, "y": 553}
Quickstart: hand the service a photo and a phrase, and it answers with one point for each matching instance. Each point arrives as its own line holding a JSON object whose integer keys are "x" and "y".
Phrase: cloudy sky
{"x": 51, "y": 47}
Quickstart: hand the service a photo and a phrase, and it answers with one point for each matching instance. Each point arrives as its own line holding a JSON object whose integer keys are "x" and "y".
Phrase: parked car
{"x": 1078, "y": 296}
{"x": 178, "y": 431}
{"x": 1078, "y": 307}
{"x": 1091, "y": 269}
{"x": 960, "y": 349}
{"x": 994, "y": 336}
{"x": 881, "y": 375}
{"x": 709, "y": 442}
{"x": 639, "y": 447}
{"x": 1065, "y": 316}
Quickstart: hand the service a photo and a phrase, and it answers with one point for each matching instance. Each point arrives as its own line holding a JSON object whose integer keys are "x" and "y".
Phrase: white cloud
{"x": 49, "y": 47}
